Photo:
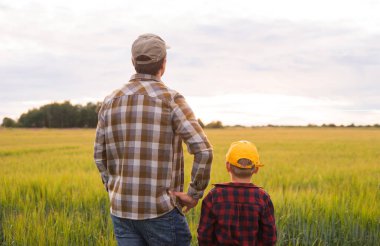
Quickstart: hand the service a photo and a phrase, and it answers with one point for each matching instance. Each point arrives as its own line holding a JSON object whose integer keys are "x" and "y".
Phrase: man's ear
{"x": 163, "y": 68}
{"x": 133, "y": 62}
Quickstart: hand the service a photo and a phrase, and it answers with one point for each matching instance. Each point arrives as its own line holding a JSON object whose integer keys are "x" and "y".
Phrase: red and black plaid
{"x": 237, "y": 214}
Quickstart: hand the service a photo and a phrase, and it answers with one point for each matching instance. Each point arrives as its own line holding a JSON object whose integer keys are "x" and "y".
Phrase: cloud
{"x": 299, "y": 59}
{"x": 54, "y": 51}
{"x": 264, "y": 109}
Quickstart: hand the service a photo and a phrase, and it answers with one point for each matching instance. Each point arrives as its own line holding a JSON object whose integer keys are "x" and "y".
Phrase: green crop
{"x": 324, "y": 183}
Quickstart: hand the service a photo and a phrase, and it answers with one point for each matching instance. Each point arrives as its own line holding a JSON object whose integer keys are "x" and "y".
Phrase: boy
{"x": 239, "y": 212}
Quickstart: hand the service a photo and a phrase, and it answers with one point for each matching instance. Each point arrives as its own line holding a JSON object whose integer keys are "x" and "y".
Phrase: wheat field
{"x": 324, "y": 183}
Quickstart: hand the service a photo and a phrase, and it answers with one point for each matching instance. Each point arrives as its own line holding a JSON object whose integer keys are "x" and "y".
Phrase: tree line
{"x": 58, "y": 115}
{"x": 66, "y": 115}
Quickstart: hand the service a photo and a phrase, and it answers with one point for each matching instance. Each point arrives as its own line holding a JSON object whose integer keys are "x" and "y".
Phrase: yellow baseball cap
{"x": 243, "y": 149}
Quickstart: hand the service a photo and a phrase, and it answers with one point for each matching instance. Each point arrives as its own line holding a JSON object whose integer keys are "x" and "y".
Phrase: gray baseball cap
{"x": 149, "y": 45}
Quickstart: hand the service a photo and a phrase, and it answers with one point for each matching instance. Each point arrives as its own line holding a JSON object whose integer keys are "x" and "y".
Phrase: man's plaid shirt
{"x": 237, "y": 214}
{"x": 138, "y": 148}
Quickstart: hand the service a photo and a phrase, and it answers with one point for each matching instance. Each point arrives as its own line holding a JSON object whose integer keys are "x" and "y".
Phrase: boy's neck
{"x": 240, "y": 180}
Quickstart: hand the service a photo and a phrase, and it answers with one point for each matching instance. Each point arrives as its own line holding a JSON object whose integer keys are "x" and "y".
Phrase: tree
{"x": 8, "y": 122}
{"x": 33, "y": 118}
{"x": 61, "y": 115}
{"x": 88, "y": 116}
{"x": 214, "y": 124}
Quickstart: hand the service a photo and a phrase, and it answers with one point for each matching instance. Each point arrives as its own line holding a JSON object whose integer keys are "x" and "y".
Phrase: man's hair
{"x": 242, "y": 172}
{"x": 151, "y": 68}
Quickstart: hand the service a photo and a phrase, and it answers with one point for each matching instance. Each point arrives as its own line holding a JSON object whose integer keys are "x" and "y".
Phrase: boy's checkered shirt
{"x": 237, "y": 214}
{"x": 138, "y": 148}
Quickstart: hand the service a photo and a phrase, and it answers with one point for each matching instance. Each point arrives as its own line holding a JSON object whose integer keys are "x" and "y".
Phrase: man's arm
{"x": 100, "y": 155}
{"x": 268, "y": 224}
{"x": 187, "y": 127}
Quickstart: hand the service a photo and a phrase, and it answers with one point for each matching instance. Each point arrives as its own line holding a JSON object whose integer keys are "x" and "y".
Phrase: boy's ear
{"x": 255, "y": 170}
{"x": 228, "y": 166}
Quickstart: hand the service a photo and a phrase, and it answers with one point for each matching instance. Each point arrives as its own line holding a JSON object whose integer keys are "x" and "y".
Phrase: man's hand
{"x": 186, "y": 201}
{"x": 105, "y": 178}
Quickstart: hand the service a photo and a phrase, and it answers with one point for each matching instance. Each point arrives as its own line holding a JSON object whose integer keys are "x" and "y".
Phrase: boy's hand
{"x": 185, "y": 200}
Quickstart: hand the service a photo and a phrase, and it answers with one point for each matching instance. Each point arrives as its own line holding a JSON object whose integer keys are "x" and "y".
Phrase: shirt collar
{"x": 232, "y": 184}
{"x": 141, "y": 76}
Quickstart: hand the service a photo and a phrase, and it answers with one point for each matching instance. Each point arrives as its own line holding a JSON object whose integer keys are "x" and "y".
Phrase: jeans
{"x": 168, "y": 229}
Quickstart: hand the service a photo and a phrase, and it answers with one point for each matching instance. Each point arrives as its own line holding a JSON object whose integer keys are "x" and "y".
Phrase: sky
{"x": 250, "y": 62}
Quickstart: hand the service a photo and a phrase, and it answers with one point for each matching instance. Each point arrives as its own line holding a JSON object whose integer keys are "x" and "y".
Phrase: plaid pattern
{"x": 138, "y": 148}
{"x": 237, "y": 214}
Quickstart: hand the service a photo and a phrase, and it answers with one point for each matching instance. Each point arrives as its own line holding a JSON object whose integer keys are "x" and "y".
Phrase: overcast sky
{"x": 241, "y": 62}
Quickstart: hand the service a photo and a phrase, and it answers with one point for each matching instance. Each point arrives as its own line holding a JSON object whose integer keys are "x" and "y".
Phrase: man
{"x": 138, "y": 151}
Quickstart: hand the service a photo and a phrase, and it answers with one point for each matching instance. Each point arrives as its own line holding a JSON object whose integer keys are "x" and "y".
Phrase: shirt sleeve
{"x": 187, "y": 127}
{"x": 206, "y": 229}
{"x": 268, "y": 225}
{"x": 100, "y": 154}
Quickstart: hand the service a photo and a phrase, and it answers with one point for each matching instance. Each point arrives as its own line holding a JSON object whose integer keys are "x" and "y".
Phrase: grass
{"x": 324, "y": 183}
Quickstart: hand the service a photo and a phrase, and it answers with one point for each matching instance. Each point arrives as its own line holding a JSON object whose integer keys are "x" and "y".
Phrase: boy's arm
{"x": 268, "y": 225}
{"x": 206, "y": 230}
